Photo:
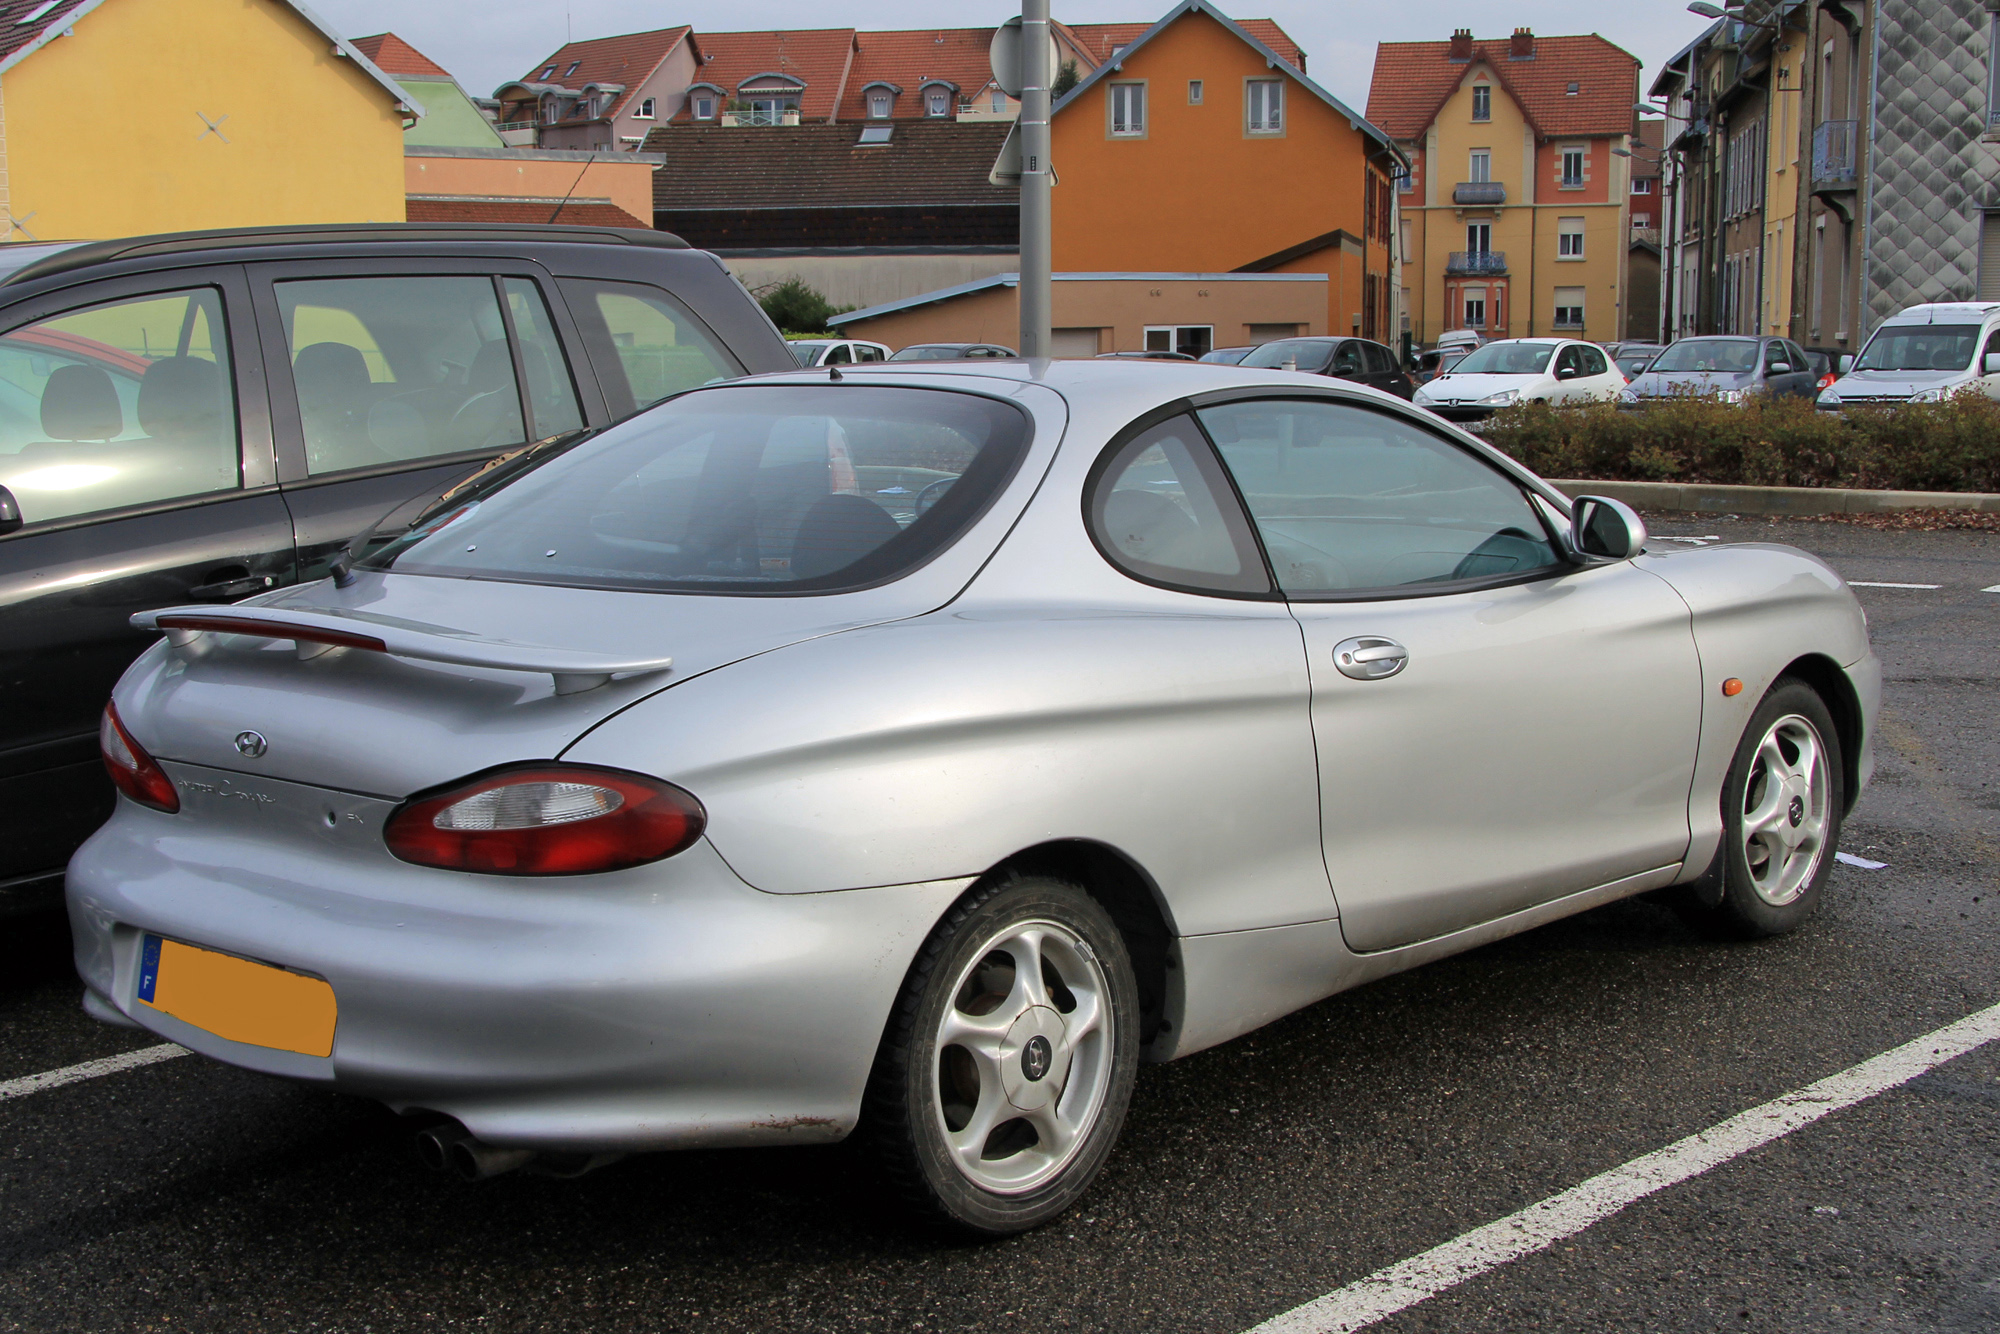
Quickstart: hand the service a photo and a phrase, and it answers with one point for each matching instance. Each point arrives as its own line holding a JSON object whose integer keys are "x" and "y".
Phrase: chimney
{"x": 1461, "y": 45}
{"x": 1522, "y": 47}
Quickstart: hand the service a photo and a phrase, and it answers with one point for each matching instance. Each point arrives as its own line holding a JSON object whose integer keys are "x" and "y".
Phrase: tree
{"x": 1065, "y": 78}
{"x": 797, "y": 308}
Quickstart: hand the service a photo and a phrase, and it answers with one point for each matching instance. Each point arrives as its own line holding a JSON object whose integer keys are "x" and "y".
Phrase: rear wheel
{"x": 1781, "y": 813}
{"x": 1008, "y": 1063}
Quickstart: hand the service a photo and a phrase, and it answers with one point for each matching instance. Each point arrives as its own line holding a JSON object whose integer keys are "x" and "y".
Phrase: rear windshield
{"x": 1709, "y": 354}
{"x": 1920, "y": 347}
{"x": 1507, "y": 359}
{"x": 1305, "y": 355}
{"x": 764, "y": 489}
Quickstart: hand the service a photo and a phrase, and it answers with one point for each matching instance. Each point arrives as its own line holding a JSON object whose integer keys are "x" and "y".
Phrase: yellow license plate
{"x": 236, "y": 999}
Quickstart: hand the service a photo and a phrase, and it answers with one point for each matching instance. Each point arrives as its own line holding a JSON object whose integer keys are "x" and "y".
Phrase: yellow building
{"x": 1782, "y": 164}
{"x": 1514, "y": 219}
{"x": 228, "y": 113}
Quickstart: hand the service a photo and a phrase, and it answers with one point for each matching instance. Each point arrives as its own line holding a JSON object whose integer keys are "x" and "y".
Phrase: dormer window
{"x": 704, "y": 107}
{"x": 1572, "y": 90}
{"x": 878, "y": 104}
{"x": 645, "y": 111}
{"x": 937, "y": 101}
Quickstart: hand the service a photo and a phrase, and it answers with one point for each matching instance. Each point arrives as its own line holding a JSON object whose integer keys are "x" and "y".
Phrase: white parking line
{"x": 1863, "y": 583}
{"x": 1402, "y": 1285}
{"x": 71, "y": 1074}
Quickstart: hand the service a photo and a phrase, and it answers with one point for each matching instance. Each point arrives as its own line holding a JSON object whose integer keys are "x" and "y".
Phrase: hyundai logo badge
{"x": 251, "y": 745}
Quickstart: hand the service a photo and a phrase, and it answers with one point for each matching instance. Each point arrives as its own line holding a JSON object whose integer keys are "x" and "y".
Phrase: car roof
{"x": 1937, "y": 312}
{"x": 88, "y": 254}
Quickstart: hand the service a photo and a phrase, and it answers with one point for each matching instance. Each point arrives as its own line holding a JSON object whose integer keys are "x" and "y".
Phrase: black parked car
{"x": 1358, "y": 359}
{"x": 203, "y": 416}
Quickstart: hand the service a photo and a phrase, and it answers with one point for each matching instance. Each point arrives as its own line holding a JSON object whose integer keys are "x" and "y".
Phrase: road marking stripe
{"x": 1402, "y": 1285}
{"x": 1863, "y": 583}
{"x": 71, "y": 1074}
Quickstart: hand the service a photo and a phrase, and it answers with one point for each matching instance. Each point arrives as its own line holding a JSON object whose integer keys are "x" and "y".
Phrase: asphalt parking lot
{"x": 1252, "y": 1177}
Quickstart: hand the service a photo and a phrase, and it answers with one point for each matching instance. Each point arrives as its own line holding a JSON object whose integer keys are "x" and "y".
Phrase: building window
{"x": 937, "y": 102}
{"x": 1642, "y": 185}
{"x": 1403, "y": 249}
{"x": 1478, "y": 238}
{"x": 645, "y": 111}
{"x": 1406, "y": 181}
{"x": 1194, "y": 92}
{"x": 998, "y": 102}
{"x": 1482, "y": 101}
{"x": 574, "y": 66}
{"x": 1572, "y": 90}
{"x": 878, "y": 104}
{"x": 548, "y": 73}
{"x": 1572, "y": 168}
{"x": 1196, "y": 340}
{"x": 1569, "y": 308}
{"x": 1569, "y": 238}
{"x": 1482, "y": 167}
{"x": 1128, "y": 109}
{"x": 704, "y": 107}
{"x": 1993, "y": 69}
{"x": 1475, "y": 308}
{"x": 1264, "y": 101}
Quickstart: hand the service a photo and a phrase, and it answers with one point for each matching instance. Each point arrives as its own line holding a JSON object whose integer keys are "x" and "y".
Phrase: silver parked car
{"x": 917, "y": 752}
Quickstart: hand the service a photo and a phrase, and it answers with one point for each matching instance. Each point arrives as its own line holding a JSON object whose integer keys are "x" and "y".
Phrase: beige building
{"x": 1108, "y": 312}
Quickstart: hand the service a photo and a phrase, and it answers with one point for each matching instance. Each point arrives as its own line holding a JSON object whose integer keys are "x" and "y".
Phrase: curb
{"x": 1805, "y": 500}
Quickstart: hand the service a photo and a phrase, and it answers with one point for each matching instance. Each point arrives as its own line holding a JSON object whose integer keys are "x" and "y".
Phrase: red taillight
{"x": 131, "y": 768}
{"x": 556, "y": 819}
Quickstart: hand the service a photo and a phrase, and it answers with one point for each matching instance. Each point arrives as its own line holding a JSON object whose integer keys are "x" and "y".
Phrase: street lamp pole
{"x": 1036, "y": 253}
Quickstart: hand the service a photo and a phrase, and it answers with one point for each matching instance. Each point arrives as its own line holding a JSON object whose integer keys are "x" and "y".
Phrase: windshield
{"x": 1506, "y": 359}
{"x": 930, "y": 352}
{"x": 770, "y": 488}
{"x": 1309, "y": 354}
{"x": 1920, "y": 347}
{"x": 1731, "y": 355}
{"x": 805, "y": 352}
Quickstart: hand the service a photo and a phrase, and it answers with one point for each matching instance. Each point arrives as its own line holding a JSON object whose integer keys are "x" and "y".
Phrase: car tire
{"x": 1781, "y": 815}
{"x": 1008, "y": 1062}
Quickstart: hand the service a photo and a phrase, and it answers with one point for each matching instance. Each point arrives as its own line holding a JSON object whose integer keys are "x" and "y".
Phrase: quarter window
{"x": 126, "y": 403}
{"x": 1161, "y": 510}
{"x": 1128, "y": 109}
{"x": 1265, "y": 100}
{"x": 1349, "y": 501}
{"x": 645, "y": 347}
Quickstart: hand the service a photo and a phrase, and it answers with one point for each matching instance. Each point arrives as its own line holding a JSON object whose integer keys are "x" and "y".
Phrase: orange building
{"x": 1197, "y": 147}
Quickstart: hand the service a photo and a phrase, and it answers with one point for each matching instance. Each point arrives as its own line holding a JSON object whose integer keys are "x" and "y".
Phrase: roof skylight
{"x": 36, "y": 14}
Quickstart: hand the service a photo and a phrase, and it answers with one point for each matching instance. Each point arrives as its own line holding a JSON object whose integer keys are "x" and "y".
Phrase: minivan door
{"x": 1495, "y": 729}
{"x": 135, "y": 439}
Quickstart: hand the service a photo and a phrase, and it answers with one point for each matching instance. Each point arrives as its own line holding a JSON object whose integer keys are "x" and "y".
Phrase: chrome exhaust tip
{"x": 473, "y": 1160}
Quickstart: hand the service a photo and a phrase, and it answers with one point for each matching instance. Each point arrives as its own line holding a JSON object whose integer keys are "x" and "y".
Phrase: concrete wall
{"x": 106, "y": 138}
{"x": 857, "y": 279}
{"x": 1120, "y": 309}
{"x": 626, "y": 181}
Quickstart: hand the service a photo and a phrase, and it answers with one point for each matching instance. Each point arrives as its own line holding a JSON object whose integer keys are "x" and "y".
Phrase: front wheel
{"x": 1781, "y": 812}
{"x": 1008, "y": 1062}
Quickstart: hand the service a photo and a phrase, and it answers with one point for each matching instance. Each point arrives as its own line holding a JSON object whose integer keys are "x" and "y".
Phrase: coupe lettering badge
{"x": 251, "y": 745}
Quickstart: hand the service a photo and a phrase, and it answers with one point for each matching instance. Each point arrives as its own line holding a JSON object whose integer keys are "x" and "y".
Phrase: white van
{"x": 1924, "y": 354}
{"x": 836, "y": 351}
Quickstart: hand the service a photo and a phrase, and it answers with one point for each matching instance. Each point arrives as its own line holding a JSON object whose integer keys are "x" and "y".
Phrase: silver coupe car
{"x": 914, "y": 750}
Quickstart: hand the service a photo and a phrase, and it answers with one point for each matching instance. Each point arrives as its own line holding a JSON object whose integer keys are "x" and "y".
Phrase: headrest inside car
{"x": 80, "y": 403}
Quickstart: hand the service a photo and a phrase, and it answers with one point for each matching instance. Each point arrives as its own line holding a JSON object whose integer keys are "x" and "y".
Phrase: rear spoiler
{"x": 315, "y": 632}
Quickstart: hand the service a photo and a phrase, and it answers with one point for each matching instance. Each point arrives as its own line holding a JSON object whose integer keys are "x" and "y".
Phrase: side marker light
{"x": 1732, "y": 687}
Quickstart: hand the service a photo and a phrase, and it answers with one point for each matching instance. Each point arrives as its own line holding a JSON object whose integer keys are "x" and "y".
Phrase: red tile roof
{"x": 581, "y": 212}
{"x": 393, "y": 55}
{"x": 1414, "y": 79}
{"x": 908, "y": 58}
{"x": 819, "y": 166}
{"x": 629, "y": 59}
{"x": 1101, "y": 39}
{"x": 818, "y": 57}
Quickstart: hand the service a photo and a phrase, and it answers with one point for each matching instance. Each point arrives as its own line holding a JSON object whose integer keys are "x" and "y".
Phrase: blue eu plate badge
{"x": 149, "y": 968}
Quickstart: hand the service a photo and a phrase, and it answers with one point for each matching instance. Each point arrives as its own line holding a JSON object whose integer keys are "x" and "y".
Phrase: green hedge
{"x": 1948, "y": 446}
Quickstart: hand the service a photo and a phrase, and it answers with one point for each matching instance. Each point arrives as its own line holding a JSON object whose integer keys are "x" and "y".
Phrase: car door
{"x": 1988, "y": 384}
{"x": 1600, "y": 380}
{"x": 1496, "y": 727}
{"x": 135, "y": 441}
{"x": 392, "y": 379}
{"x": 1346, "y": 362}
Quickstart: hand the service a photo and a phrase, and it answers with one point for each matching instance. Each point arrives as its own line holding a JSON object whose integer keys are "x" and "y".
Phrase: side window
{"x": 1571, "y": 359}
{"x": 551, "y": 391}
{"x": 1346, "y": 359}
{"x": 392, "y": 369}
{"x": 841, "y": 355}
{"x": 1381, "y": 361}
{"x": 125, "y": 403}
{"x": 1160, "y": 509}
{"x": 644, "y": 344}
{"x": 1593, "y": 362}
{"x": 865, "y": 353}
{"x": 1347, "y": 499}
{"x": 1774, "y": 352}
{"x": 1992, "y": 349}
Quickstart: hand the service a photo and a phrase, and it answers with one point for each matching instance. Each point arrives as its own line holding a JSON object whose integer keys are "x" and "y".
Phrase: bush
{"x": 1948, "y": 446}
{"x": 798, "y": 309}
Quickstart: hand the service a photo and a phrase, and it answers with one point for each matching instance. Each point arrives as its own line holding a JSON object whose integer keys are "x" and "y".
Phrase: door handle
{"x": 232, "y": 588}
{"x": 1369, "y": 657}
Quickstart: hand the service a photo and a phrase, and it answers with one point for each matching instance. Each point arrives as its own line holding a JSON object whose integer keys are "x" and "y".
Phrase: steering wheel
{"x": 932, "y": 494}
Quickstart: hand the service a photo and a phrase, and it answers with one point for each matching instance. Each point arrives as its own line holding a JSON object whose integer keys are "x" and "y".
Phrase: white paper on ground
{"x": 1851, "y": 860}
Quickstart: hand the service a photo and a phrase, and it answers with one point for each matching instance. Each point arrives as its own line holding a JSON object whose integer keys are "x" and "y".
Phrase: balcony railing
{"x": 1479, "y": 192}
{"x": 1486, "y": 262}
{"x": 1833, "y": 154}
{"x": 759, "y": 117}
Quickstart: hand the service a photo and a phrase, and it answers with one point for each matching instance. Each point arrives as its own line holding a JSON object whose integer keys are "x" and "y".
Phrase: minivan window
{"x": 753, "y": 489}
{"x": 124, "y": 403}
{"x": 1920, "y": 347}
{"x": 393, "y": 369}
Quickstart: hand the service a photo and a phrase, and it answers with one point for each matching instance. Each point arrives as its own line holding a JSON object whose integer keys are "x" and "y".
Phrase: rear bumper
{"x": 662, "y": 1007}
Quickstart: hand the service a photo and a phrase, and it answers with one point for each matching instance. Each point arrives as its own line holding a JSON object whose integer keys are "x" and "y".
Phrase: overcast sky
{"x": 487, "y": 42}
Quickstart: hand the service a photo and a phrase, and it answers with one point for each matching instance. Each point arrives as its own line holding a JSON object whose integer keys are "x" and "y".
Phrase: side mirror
{"x": 1992, "y": 363}
{"x": 1779, "y": 368}
{"x": 1606, "y": 529}
{"x": 10, "y": 512}
{"x": 1566, "y": 373}
{"x": 1845, "y": 363}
